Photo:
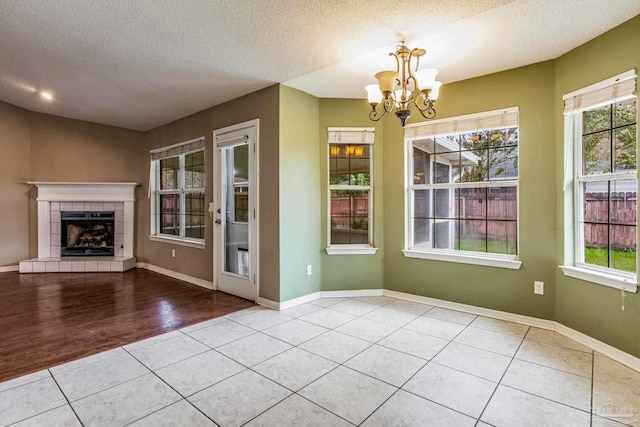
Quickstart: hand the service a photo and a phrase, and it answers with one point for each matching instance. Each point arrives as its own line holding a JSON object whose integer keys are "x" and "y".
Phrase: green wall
{"x": 351, "y": 271}
{"x": 531, "y": 90}
{"x": 299, "y": 190}
{"x": 593, "y": 309}
{"x": 537, "y": 91}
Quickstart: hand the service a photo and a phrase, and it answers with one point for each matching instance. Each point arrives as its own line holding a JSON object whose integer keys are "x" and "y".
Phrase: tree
{"x": 600, "y": 127}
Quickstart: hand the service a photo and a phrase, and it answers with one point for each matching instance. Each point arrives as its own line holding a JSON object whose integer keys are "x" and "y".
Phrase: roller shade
{"x": 174, "y": 150}
{"x": 615, "y": 89}
{"x": 495, "y": 119}
{"x": 351, "y": 135}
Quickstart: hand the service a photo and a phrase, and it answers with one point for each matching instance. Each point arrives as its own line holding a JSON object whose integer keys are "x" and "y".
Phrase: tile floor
{"x": 370, "y": 361}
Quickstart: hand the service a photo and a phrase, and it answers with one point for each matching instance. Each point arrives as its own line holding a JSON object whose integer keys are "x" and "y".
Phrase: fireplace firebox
{"x": 86, "y": 233}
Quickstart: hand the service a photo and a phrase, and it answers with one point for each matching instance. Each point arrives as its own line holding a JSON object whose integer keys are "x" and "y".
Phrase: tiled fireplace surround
{"x": 54, "y": 197}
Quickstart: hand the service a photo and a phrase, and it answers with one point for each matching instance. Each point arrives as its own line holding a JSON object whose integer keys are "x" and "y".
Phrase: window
{"x": 462, "y": 189}
{"x": 350, "y": 191}
{"x": 601, "y": 122}
{"x": 177, "y": 189}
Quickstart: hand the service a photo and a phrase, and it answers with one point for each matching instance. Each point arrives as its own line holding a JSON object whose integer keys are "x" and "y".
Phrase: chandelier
{"x": 400, "y": 91}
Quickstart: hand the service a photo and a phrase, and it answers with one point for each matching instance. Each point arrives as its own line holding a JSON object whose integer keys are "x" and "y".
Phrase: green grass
{"x": 492, "y": 246}
{"x": 620, "y": 260}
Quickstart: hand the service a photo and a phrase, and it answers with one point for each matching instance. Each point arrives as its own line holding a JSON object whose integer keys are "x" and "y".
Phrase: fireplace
{"x": 86, "y": 233}
{"x": 101, "y": 239}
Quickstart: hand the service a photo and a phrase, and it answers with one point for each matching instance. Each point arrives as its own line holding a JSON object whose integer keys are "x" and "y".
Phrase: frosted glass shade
{"x": 426, "y": 78}
{"x": 387, "y": 80}
{"x": 435, "y": 91}
{"x": 373, "y": 93}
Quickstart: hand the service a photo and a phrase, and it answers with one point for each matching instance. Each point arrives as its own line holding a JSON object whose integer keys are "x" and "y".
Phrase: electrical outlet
{"x": 173, "y": 253}
{"x": 309, "y": 270}
{"x": 538, "y": 288}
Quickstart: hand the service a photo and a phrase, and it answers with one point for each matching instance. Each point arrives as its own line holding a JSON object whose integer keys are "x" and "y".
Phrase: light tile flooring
{"x": 370, "y": 361}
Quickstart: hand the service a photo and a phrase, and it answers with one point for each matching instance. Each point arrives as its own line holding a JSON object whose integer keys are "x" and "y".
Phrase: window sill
{"x": 351, "y": 250}
{"x": 200, "y": 244}
{"x": 611, "y": 280}
{"x": 487, "y": 261}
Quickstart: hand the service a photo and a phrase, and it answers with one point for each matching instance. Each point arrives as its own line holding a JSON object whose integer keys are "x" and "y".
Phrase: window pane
{"x": 476, "y": 219}
{"x": 475, "y": 166}
{"x": 422, "y": 233}
{"x": 503, "y": 163}
{"x": 194, "y": 170}
{"x": 596, "y": 153}
{"x": 502, "y": 237}
{"x": 625, "y": 113}
{"x": 471, "y": 203}
{"x": 623, "y": 247}
{"x": 421, "y": 162}
{"x": 241, "y": 203}
{"x": 596, "y": 120}
{"x": 625, "y": 149}
{"x": 472, "y": 235}
{"x": 444, "y": 202}
{"x": 169, "y": 173}
{"x": 444, "y": 238}
{"x": 422, "y": 204}
{"x": 170, "y": 214}
{"x": 441, "y": 173}
{"x": 421, "y": 218}
{"x": 623, "y": 202}
{"x": 502, "y": 203}
{"x": 194, "y": 215}
{"x": 349, "y": 217}
{"x": 349, "y": 164}
{"x": 595, "y": 201}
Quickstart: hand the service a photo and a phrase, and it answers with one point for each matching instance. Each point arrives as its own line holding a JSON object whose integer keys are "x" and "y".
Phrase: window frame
{"x": 485, "y": 121}
{"x": 602, "y": 94}
{"x": 181, "y": 151}
{"x": 355, "y": 248}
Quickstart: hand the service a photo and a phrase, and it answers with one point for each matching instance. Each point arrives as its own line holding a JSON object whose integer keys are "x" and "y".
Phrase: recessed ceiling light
{"x": 46, "y": 95}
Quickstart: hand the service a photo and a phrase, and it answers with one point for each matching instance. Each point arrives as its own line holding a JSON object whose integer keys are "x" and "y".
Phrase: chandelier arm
{"x": 397, "y": 61}
{"x": 428, "y": 112}
{"x": 389, "y": 103}
{"x": 375, "y": 116}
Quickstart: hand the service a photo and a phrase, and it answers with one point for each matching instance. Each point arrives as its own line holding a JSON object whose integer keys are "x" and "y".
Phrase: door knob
{"x": 219, "y": 210}
{"x": 217, "y": 221}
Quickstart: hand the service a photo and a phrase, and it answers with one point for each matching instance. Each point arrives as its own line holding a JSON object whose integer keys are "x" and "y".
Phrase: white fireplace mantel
{"x": 53, "y": 192}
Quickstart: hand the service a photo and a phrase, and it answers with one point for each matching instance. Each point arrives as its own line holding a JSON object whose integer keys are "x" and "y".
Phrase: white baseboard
{"x": 350, "y": 294}
{"x": 269, "y": 303}
{"x": 8, "y": 268}
{"x": 174, "y": 274}
{"x": 602, "y": 348}
{"x": 480, "y": 311}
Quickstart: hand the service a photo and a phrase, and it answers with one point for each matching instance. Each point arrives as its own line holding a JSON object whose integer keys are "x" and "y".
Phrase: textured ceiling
{"x": 139, "y": 64}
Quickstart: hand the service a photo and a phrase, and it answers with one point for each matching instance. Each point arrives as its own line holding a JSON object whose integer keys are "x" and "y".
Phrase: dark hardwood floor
{"x": 49, "y": 319}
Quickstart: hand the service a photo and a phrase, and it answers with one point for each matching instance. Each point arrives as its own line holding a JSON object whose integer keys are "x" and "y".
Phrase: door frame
{"x": 254, "y": 269}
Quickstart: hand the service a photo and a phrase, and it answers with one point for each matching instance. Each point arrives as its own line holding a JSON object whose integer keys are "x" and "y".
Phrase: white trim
{"x": 300, "y": 300}
{"x": 613, "y": 281}
{"x": 352, "y": 293}
{"x": 487, "y": 261}
{"x": 480, "y": 311}
{"x": 219, "y": 142}
{"x": 8, "y": 268}
{"x": 177, "y": 241}
{"x": 160, "y": 150}
{"x": 602, "y": 348}
{"x": 268, "y": 303}
{"x": 174, "y": 274}
{"x": 351, "y": 250}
